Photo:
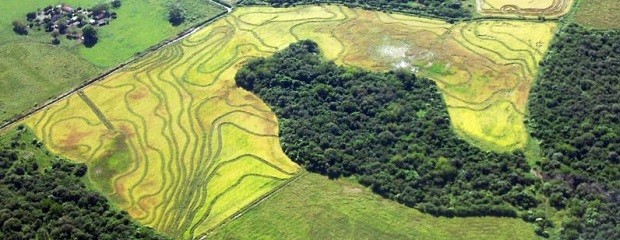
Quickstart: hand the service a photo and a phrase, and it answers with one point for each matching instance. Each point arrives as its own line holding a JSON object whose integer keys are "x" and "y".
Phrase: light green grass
{"x": 140, "y": 24}
{"x": 314, "y": 207}
{"x": 32, "y": 70}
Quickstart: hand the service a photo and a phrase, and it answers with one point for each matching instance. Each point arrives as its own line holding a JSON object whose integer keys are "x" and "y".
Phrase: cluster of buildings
{"x": 65, "y": 19}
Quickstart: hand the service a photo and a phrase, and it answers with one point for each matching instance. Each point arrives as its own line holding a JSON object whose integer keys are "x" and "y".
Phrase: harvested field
{"x": 525, "y": 8}
{"x": 602, "y": 14}
{"x": 173, "y": 141}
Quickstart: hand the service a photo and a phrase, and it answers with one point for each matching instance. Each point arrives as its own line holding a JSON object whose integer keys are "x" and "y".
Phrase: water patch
{"x": 401, "y": 55}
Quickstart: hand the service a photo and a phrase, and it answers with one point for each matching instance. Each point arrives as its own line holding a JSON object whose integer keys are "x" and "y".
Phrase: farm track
{"x": 200, "y": 149}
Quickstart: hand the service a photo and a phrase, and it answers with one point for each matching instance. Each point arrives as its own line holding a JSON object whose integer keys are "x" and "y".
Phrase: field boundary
{"x": 96, "y": 110}
{"x": 255, "y": 203}
{"x": 180, "y": 36}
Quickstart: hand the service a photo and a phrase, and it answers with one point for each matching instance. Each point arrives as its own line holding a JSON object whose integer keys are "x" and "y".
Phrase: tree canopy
{"x": 391, "y": 130}
{"x": 575, "y": 113}
{"x": 39, "y": 202}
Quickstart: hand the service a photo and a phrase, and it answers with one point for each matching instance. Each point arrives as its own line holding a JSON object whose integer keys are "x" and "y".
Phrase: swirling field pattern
{"x": 525, "y": 8}
{"x": 174, "y": 142}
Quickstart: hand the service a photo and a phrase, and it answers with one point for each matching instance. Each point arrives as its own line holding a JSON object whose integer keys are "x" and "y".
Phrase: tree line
{"x": 391, "y": 130}
{"x": 575, "y": 113}
{"x": 445, "y": 9}
{"x": 39, "y": 202}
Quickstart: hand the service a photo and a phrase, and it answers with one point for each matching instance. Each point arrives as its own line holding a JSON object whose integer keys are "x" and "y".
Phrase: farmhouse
{"x": 64, "y": 19}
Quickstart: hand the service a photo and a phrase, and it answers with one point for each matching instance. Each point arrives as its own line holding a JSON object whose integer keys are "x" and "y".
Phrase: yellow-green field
{"x": 173, "y": 141}
{"x": 524, "y": 8}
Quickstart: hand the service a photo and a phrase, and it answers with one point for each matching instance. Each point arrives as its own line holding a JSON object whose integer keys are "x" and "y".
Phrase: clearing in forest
{"x": 173, "y": 141}
{"x": 524, "y": 8}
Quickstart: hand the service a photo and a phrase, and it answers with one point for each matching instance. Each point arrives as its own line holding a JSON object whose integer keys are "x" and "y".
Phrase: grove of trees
{"x": 391, "y": 130}
{"x": 20, "y": 27}
{"x": 575, "y": 113}
{"x": 52, "y": 202}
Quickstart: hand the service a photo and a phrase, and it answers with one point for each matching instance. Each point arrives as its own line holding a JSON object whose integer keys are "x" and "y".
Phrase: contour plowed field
{"x": 525, "y": 8}
{"x": 173, "y": 141}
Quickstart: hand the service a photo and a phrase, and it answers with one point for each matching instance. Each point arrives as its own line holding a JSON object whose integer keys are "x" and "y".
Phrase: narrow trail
{"x": 184, "y": 34}
{"x": 96, "y": 110}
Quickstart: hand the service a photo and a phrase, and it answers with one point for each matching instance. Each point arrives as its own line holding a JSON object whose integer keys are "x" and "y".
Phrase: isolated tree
{"x": 20, "y": 27}
{"x": 31, "y": 16}
{"x": 175, "y": 15}
{"x": 90, "y": 36}
{"x": 116, "y": 3}
{"x": 55, "y": 39}
{"x": 99, "y": 8}
{"x": 62, "y": 26}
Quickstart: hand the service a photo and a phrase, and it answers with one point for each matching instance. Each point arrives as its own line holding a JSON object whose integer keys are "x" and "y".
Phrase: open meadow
{"x": 313, "y": 207}
{"x": 172, "y": 140}
{"x": 32, "y": 70}
{"x": 524, "y": 8}
{"x": 598, "y": 13}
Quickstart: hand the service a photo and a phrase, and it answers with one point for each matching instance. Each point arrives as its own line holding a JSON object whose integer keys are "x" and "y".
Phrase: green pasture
{"x": 313, "y": 207}
{"x": 32, "y": 70}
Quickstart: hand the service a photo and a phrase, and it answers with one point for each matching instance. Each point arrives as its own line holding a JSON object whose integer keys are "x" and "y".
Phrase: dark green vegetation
{"x": 42, "y": 197}
{"x": 175, "y": 15}
{"x": 391, "y": 130}
{"x": 445, "y": 9}
{"x": 575, "y": 113}
{"x": 313, "y": 207}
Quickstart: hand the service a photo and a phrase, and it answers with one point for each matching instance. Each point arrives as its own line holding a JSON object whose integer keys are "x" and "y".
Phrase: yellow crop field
{"x": 174, "y": 142}
{"x": 525, "y": 8}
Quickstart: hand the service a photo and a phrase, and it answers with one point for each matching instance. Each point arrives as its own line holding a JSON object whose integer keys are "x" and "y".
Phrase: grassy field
{"x": 32, "y": 70}
{"x": 525, "y": 8}
{"x": 314, "y": 207}
{"x": 173, "y": 141}
{"x": 598, "y": 13}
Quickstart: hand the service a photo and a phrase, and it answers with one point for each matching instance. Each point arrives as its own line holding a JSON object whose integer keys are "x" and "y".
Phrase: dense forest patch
{"x": 392, "y": 130}
{"x": 51, "y": 202}
{"x": 575, "y": 113}
{"x": 446, "y": 9}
